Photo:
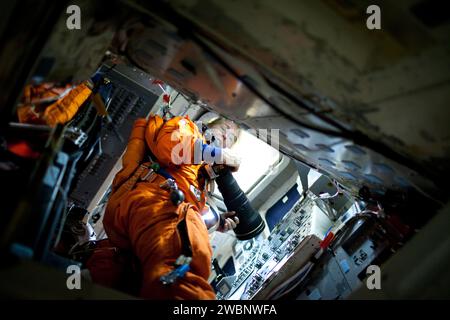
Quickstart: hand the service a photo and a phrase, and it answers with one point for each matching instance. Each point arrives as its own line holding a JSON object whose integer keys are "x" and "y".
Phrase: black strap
{"x": 186, "y": 248}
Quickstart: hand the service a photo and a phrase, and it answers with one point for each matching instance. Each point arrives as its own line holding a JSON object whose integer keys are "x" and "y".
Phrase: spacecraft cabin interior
{"x": 343, "y": 134}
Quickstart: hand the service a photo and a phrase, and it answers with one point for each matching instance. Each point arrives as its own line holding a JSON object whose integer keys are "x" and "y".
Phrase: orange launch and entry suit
{"x": 145, "y": 221}
{"x": 35, "y": 110}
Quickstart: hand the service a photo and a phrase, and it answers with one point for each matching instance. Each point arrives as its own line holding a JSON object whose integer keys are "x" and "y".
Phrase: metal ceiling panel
{"x": 309, "y": 69}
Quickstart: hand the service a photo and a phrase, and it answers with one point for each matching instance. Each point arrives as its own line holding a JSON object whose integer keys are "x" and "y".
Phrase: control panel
{"x": 129, "y": 97}
{"x": 272, "y": 261}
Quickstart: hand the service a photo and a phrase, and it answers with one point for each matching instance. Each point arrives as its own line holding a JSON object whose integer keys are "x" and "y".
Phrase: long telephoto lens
{"x": 250, "y": 222}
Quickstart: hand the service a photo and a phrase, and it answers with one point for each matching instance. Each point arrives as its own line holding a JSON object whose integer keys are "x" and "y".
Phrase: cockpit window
{"x": 257, "y": 160}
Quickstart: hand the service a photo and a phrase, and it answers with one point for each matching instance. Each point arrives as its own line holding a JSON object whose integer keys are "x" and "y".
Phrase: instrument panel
{"x": 269, "y": 262}
{"x": 129, "y": 96}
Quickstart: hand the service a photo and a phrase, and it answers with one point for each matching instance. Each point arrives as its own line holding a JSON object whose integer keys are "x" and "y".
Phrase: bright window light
{"x": 257, "y": 159}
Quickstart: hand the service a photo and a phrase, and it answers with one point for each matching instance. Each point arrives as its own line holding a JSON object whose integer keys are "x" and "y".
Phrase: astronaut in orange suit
{"x": 144, "y": 217}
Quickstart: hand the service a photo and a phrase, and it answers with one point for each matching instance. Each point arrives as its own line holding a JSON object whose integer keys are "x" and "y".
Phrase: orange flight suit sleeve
{"x": 134, "y": 153}
{"x": 64, "y": 109}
